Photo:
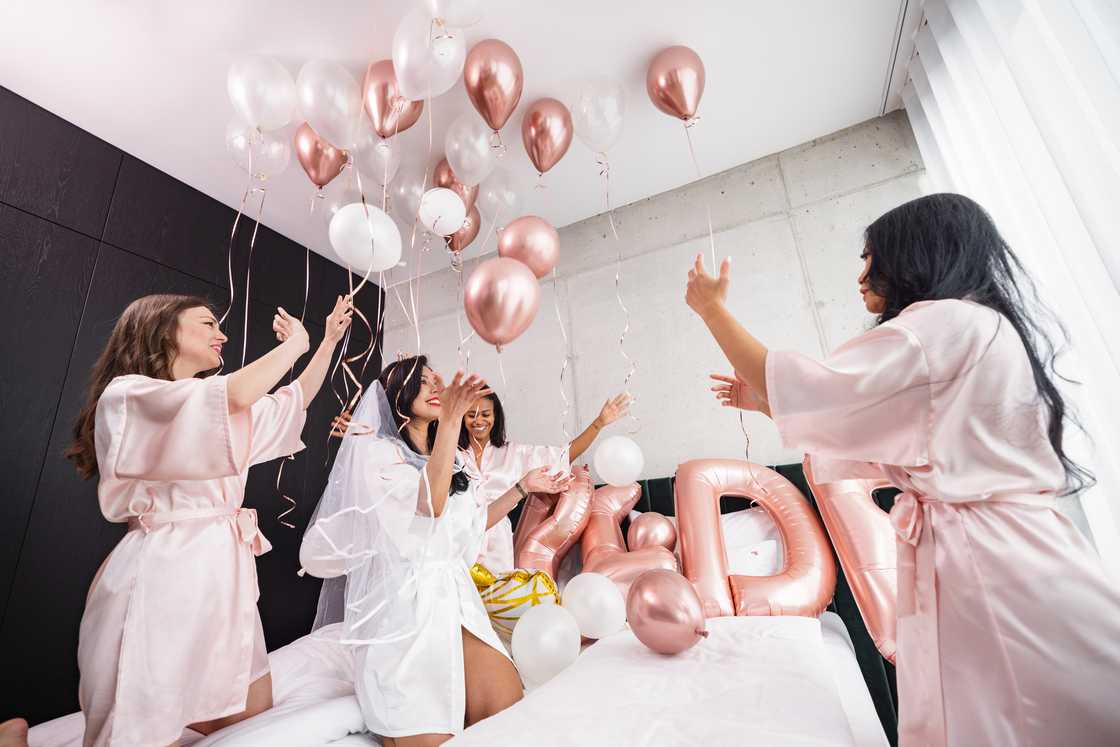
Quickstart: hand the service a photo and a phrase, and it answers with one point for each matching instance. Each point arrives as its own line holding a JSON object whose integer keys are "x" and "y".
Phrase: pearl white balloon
{"x": 427, "y": 58}
{"x": 372, "y": 245}
{"x": 458, "y": 13}
{"x": 262, "y": 91}
{"x": 597, "y": 113}
{"x": 407, "y": 191}
{"x": 467, "y": 148}
{"x": 498, "y": 198}
{"x": 378, "y": 159}
{"x": 330, "y": 101}
{"x": 336, "y": 195}
{"x": 619, "y": 461}
{"x": 596, "y": 603}
{"x": 442, "y": 211}
{"x": 266, "y": 154}
{"x": 545, "y": 641}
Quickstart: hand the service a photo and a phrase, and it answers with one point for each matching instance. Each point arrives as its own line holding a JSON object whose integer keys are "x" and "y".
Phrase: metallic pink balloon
{"x": 533, "y": 241}
{"x": 651, "y": 529}
{"x": 544, "y": 547}
{"x": 321, "y": 160}
{"x": 443, "y": 176}
{"x": 675, "y": 82}
{"x": 664, "y": 612}
{"x": 546, "y": 132}
{"x": 501, "y": 300}
{"x": 389, "y": 112}
{"x": 462, "y": 238}
{"x": 808, "y": 578}
{"x": 493, "y": 78}
{"x": 866, "y": 544}
{"x": 601, "y": 545}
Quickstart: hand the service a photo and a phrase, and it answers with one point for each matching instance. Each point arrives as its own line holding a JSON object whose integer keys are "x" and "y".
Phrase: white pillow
{"x": 753, "y": 542}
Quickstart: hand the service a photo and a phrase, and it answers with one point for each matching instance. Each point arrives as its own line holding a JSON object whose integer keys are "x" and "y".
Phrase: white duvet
{"x": 754, "y": 680}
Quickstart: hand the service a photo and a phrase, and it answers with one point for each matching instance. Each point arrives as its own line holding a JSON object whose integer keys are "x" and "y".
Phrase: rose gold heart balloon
{"x": 462, "y": 238}
{"x": 675, "y": 82}
{"x": 443, "y": 176}
{"x": 531, "y": 240}
{"x": 321, "y": 160}
{"x": 493, "y": 78}
{"x": 501, "y": 300}
{"x": 389, "y": 112}
{"x": 546, "y": 132}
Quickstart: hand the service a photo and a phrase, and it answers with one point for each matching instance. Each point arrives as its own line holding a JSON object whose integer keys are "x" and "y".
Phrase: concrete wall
{"x": 792, "y": 222}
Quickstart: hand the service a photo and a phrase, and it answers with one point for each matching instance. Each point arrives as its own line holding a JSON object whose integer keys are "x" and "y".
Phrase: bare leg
{"x": 13, "y": 733}
{"x": 491, "y": 679}
{"x": 258, "y": 700}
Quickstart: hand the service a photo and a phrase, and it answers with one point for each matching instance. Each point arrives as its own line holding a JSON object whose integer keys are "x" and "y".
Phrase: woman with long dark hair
{"x": 171, "y": 636}
{"x": 1008, "y": 630}
{"x": 395, "y": 534}
{"x": 500, "y": 464}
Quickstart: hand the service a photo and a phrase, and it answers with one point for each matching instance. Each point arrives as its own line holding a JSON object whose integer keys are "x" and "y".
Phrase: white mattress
{"x": 764, "y": 680}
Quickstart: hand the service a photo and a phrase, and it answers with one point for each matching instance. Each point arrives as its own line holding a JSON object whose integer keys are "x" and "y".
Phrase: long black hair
{"x": 497, "y": 433}
{"x": 401, "y": 381}
{"x": 946, "y": 246}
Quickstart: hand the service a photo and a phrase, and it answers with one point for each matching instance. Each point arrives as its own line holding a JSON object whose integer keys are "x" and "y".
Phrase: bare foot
{"x": 13, "y": 733}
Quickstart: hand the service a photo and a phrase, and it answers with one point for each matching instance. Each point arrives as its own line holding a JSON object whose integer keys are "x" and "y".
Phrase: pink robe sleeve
{"x": 278, "y": 420}
{"x": 152, "y": 429}
{"x": 868, "y": 402}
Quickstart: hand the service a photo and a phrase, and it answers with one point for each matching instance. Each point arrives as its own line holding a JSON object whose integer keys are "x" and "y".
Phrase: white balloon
{"x": 596, "y": 603}
{"x": 442, "y": 211}
{"x": 266, "y": 154}
{"x": 338, "y": 193}
{"x": 467, "y": 148}
{"x": 619, "y": 461}
{"x": 262, "y": 91}
{"x": 597, "y": 113}
{"x": 372, "y": 245}
{"x": 330, "y": 101}
{"x": 498, "y": 199}
{"x": 407, "y": 190}
{"x": 458, "y": 13}
{"x": 545, "y": 641}
{"x": 377, "y": 158}
{"x": 427, "y": 58}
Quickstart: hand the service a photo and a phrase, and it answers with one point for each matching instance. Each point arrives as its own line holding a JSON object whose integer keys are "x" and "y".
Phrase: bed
{"x": 767, "y": 680}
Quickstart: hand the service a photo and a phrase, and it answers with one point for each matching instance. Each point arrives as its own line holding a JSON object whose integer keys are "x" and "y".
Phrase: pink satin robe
{"x": 1008, "y": 629}
{"x": 171, "y": 634}
{"x": 501, "y": 467}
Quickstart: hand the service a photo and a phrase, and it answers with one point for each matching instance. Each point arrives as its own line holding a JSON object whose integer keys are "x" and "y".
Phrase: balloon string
{"x": 248, "y": 274}
{"x": 605, "y": 171}
{"x": 564, "y": 365}
{"x": 707, "y": 205}
{"x": 502, "y": 368}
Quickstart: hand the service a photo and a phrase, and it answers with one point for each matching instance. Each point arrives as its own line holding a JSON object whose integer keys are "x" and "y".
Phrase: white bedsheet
{"x": 724, "y": 691}
{"x": 754, "y": 680}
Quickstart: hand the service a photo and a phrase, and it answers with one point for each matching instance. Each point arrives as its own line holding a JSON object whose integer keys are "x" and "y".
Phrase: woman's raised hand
{"x": 540, "y": 481}
{"x": 339, "y": 320}
{"x": 457, "y": 398}
{"x": 705, "y": 294}
{"x": 287, "y": 327}
{"x": 732, "y": 391}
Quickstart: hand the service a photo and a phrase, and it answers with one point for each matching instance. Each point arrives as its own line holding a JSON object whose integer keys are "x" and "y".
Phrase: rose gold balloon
{"x": 664, "y": 612}
{"x": 493, "y": 77}
{"x": 651, "y": 529}
{"x": 532, "y": 241}
{"x": 601, "y": 545}
{"x": 443, "y": 176}
{"x": 543, "y": 548}
{"x": 536, "y": 509}
{"x": 546, "y": 132}
{"x": 808, "y": 578}
{"x": 389, "y": 112}
{"x": 501, "y": 300}
{"x": 675, "y": 82}
{"x": 321, "y": 160}
{"x": 462, "y": 238}
{"x": 866, "y": 544}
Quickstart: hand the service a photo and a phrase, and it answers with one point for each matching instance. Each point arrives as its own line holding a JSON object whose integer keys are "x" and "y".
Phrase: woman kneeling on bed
{"x": 395, "y": 534}
{"x": 1008, "y": 629}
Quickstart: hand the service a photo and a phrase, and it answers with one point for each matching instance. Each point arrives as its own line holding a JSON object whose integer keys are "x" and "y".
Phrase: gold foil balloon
{"x": 507, "y": 596}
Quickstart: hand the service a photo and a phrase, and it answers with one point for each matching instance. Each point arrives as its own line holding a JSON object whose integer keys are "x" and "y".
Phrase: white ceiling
{"x": 149, "y": 78}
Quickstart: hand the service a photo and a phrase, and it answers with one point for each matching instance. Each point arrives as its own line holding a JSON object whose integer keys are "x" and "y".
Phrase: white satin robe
{"x": 171, "y": 635}
{"x": 501, "y": 467}
{"x": 1008, "y": 630}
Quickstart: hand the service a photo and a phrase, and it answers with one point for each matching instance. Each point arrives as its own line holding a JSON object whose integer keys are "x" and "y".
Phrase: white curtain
{"x": 1016, "y": 103}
